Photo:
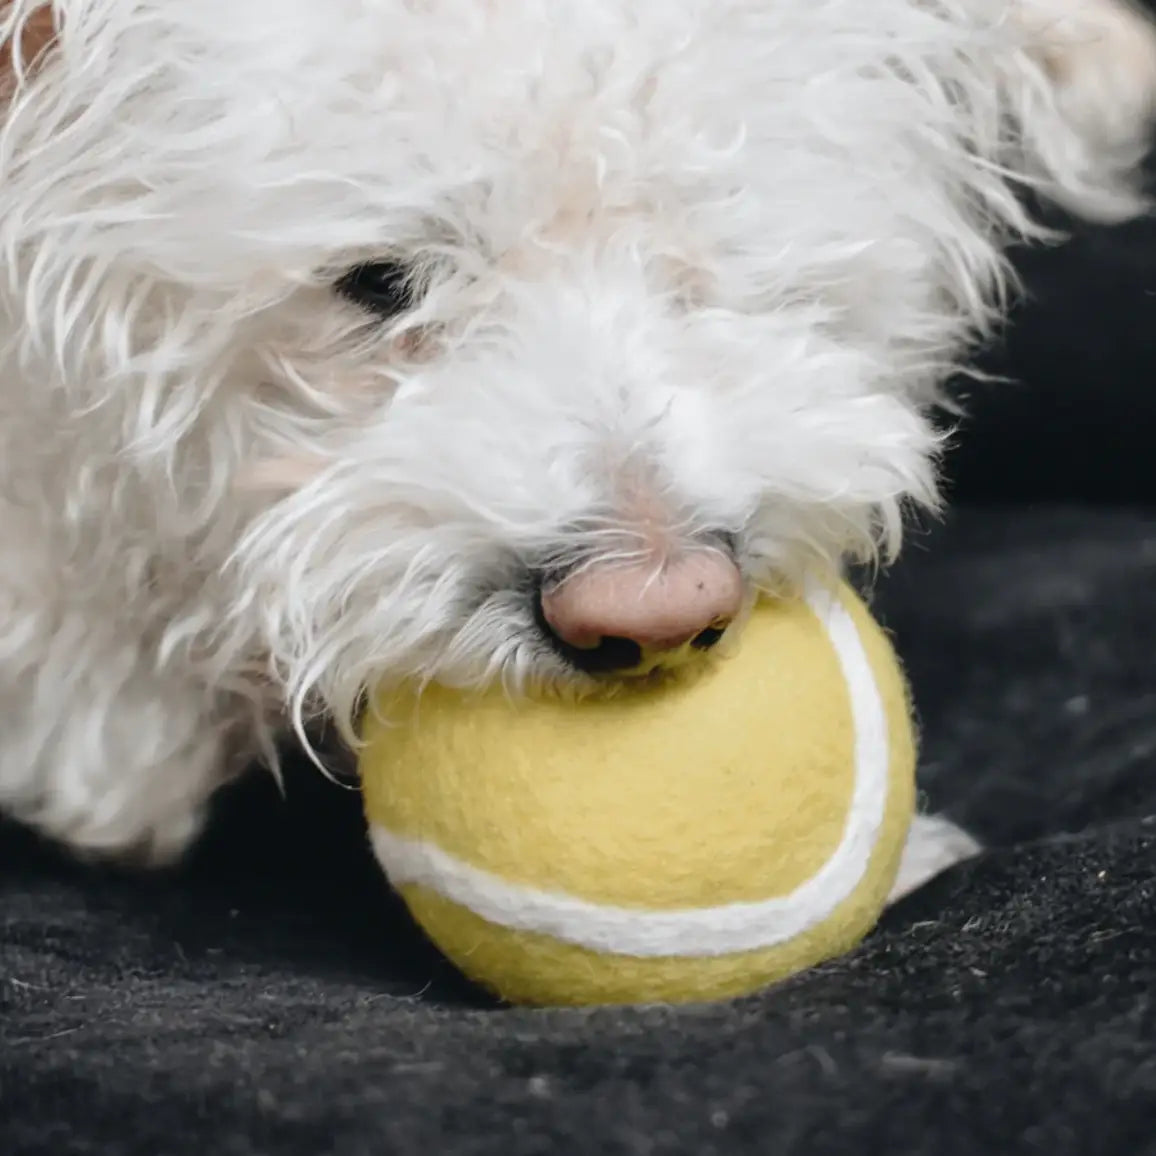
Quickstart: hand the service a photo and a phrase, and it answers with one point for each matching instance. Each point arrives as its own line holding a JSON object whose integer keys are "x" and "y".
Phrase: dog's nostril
{"x": 611, "y": 654}
{"x": 709, "y": 637}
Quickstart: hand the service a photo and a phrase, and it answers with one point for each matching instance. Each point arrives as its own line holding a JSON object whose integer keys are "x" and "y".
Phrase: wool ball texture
{"x": 689, "y": 840}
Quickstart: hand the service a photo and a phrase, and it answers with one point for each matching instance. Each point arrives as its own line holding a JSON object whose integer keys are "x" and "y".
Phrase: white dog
{"x": 479, "y": 339}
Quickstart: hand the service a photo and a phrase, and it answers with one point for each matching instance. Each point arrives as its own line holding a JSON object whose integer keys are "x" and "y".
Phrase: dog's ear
{"x": 27, "y": 32}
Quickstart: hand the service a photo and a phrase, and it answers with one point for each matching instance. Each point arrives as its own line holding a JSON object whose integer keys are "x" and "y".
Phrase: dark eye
{"x": 383, "y": 287}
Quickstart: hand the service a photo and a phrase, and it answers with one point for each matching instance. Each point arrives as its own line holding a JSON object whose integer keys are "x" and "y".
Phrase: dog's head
{"x": 415, "y": 309}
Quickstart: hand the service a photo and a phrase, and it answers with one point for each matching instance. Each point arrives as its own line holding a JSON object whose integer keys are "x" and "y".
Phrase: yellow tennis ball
{"x": 684, "y": 841}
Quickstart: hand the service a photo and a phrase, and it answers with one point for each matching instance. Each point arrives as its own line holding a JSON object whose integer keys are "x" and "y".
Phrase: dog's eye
{"x": 383, "y": 287}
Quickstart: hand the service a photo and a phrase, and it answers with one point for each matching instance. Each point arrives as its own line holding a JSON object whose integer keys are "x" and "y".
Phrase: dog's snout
{"x": 611, "y": 617}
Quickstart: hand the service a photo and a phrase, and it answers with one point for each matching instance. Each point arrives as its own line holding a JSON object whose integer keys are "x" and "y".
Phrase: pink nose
{"x": 694, "y": 598}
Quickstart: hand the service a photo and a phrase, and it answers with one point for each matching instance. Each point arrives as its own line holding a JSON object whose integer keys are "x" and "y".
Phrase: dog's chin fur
{"x": 678, "y": 269}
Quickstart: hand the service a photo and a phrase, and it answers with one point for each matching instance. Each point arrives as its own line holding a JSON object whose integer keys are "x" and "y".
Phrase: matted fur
{"x": 681, "y": 269}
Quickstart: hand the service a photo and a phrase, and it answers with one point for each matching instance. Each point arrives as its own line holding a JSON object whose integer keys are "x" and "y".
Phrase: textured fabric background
{"x": 272, "y": 998}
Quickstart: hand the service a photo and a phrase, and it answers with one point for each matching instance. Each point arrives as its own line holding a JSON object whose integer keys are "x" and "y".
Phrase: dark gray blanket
{"x": 273, "y": 999}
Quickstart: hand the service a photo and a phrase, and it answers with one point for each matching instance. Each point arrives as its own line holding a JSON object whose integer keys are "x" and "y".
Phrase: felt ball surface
{"x": 690, "y": 839}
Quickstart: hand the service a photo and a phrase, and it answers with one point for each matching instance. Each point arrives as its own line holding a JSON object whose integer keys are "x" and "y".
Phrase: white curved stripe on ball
{"x": 694, "y": 932}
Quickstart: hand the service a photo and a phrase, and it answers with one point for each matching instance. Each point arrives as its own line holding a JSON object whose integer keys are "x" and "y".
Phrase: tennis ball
{"x": 685, "y": 840}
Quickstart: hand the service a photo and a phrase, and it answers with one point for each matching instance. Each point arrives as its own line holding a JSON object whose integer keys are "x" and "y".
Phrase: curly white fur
{"x": 692, "y": 267}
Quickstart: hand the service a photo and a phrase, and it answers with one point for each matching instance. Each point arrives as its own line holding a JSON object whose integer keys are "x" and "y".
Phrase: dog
{"x": 470, "y": 341}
